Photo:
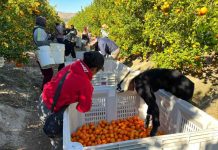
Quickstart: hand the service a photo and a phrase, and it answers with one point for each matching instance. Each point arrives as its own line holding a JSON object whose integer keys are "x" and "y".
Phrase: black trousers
{"x": 69, "y": 48}
{"x": 147, "y": 93}
{"x": 170, "y": 80}
{"x": 47, "y": 75}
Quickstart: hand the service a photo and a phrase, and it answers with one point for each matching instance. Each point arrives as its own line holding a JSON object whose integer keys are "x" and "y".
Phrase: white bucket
{"x": 79, "y": 54}
{"x": 58, "y": 51}
{"x": 78, "y": 42}
{"x": 45, "y": 57}
{"x": 68, "y": 58}
{"x": 84, "y": 42}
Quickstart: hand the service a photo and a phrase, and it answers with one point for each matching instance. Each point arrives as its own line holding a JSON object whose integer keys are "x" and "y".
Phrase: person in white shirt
{"x": 59, "y": 33}
{"x": 104, "y": 33}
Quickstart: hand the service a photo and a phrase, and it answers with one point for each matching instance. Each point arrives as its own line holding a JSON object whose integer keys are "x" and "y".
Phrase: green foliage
{"x": 175, "y": 32}
{"x": 17, "y": 20}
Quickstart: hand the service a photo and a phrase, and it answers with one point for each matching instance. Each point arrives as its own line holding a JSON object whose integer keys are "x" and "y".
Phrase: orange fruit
{"x": 104, "y": 142}
{"x": 202, "y": 11}
{"x": 178, "y": 10}
{"x": 89, "y": 143}
{"x": 115, "y": 131}
{"x": 19, "y": 65}
{"x": 112, "y": 140}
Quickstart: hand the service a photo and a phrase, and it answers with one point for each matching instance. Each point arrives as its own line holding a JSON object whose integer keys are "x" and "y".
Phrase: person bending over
{"x": 106, "y": 47}
{"x": 77, "y": 87}
{"x": 150, "y": 81}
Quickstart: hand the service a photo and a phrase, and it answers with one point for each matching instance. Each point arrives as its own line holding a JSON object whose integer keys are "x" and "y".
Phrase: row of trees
{"x": 174, "y": 33}
{"x": 17, "y": 20}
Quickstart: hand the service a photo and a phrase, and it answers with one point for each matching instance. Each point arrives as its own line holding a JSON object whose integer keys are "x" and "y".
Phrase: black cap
{"x": 94, "y": 59}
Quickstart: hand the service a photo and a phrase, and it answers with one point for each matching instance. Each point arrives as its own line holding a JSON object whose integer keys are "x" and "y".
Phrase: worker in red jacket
{"x": 77, "y": 86}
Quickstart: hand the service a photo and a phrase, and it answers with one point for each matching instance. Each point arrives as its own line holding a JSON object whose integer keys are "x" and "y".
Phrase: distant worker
{"x": 41, "y": 38}
{"x": 59, "y": 28}
{"x": 104, "y": 32}
{"x": 150, "y": 81}
{"x": 106, "y": 47}
{"x": 70, "y": 41}
{"x": 85, "y": 37}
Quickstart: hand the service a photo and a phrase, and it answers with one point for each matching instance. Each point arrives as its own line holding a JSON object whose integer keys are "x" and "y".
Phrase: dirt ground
{"x": 19, "y": 92}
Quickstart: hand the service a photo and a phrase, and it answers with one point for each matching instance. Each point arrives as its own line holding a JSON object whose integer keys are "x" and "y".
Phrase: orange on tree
{"x": 202, "y": 11}
{"x": 19, "y": 65}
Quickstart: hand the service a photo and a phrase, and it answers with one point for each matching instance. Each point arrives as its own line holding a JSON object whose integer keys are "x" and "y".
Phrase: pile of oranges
{"x": 115, "y": 131}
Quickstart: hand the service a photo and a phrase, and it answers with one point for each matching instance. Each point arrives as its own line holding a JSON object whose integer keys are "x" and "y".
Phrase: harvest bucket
{"x": 58, "y": 51}
{"x": 79, "y": 42}
{"x": 45, "y": 57}
{"x": 79, "y": 54}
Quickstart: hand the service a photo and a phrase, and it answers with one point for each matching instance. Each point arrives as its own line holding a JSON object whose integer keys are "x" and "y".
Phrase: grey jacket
{"x": 40, "y": 36}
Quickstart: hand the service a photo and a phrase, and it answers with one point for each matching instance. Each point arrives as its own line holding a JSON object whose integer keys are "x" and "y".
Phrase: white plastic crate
{"x": 112, "y": 74}
{"x": 79, "y": 54}
{"x": 202, "y": 140}
{"x": 114, "y": 66}
{"x": 69, "y": 59}
{"x": 113, "y": 71}
{"x": 187, "y": 127}
{"x": 104, "y": 78}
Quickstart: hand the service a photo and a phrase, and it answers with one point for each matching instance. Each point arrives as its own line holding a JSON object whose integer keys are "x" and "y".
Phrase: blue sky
{"x": 72, "y": 6}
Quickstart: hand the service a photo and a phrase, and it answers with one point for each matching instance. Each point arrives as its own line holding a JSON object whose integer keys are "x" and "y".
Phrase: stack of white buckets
{"x": 51, "y": 55}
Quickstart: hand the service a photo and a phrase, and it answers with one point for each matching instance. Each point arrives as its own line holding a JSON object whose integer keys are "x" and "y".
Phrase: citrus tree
{"x": 17, "y": 20}
{"x": 87, "y": 17}
{"x": 175, "y": 34}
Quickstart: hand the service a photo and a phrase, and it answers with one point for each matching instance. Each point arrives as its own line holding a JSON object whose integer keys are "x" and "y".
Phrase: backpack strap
{"x": 58, "y": 91}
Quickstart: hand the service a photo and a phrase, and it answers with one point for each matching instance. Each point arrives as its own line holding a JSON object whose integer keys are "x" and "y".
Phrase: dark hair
{"x": 41, "y": 21}
{"x": 93, "y": 59}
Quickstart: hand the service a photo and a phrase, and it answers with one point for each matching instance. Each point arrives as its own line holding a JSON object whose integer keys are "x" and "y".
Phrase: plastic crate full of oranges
{"x": 109, "y": 132}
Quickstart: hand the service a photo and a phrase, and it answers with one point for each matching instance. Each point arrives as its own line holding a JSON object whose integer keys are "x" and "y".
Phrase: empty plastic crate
{"x": 113, "y": 72}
